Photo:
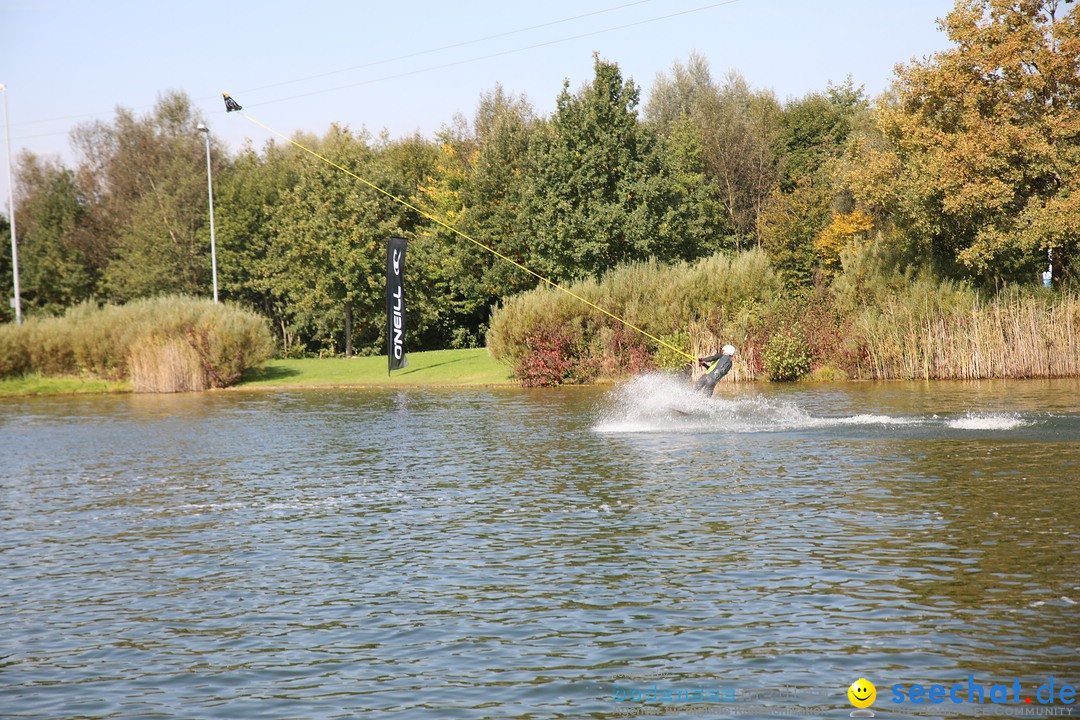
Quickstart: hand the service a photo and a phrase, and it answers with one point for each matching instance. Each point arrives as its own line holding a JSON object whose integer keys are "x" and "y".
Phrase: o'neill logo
{"x": 395, "y": 304}
{"x": 398, "y": 310}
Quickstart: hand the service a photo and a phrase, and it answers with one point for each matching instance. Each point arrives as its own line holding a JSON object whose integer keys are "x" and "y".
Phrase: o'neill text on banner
{"x": 395, "y": 304}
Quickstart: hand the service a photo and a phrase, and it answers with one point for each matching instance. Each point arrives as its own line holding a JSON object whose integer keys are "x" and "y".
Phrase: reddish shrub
{"x": 553, "y": 357}
{"x": 625, "y": 352}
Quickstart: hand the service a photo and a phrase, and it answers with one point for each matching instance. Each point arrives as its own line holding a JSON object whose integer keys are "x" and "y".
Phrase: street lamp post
{"x": 210, "y": 193}
{"x": 11, "y": 209}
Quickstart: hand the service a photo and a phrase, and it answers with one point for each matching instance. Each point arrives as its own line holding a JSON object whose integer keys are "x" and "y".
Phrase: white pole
{"x": 11, "y": 209}
{"x": 210, "y": 193}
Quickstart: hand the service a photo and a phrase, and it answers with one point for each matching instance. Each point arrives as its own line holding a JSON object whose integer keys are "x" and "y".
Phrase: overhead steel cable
{"x": 501, "y": 53}
{"x": 451, "y": 46}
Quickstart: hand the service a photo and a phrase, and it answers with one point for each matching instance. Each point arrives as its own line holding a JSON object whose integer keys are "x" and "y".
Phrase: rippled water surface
{"x": 497, "y": 553}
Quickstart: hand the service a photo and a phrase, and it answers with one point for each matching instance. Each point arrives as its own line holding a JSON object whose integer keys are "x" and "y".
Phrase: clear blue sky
{"x": 387, "y": 65}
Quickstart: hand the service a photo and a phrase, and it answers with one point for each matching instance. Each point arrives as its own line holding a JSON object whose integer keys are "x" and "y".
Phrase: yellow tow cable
{"x": 454, "y": 230}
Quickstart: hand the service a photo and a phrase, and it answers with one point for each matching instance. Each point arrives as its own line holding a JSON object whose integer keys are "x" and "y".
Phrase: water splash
{"x": 987, "y": 421}
{"x": 664, "y": 403}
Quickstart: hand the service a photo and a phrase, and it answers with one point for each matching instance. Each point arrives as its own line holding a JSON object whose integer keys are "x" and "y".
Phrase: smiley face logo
{"x": 862, "y": 693}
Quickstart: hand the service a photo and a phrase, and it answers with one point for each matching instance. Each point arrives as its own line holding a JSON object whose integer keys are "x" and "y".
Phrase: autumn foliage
{"x": 967, "y": 170}
{"x": 978, "y": 158}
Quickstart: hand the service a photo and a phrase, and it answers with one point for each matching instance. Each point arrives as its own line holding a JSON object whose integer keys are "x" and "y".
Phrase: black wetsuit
{"x": 721, "y": 366}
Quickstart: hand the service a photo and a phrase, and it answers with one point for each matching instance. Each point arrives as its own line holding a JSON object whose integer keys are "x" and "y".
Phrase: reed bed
{"x": 196, "y": 343}
{"x": 1018, "y": 336}
{"x": 872, "y": 322}
{"x": 166, "y": 365}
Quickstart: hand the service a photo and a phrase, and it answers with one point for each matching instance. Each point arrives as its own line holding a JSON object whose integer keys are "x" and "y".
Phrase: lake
{"x": 512, "y": 553}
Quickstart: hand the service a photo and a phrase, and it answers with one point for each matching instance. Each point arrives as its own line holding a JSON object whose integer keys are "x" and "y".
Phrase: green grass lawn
{"x": 35, "y": 384}
{"x": 435, "y": 367}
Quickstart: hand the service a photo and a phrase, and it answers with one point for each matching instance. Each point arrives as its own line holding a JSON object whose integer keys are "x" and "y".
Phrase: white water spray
{"x": 663, "y": 403}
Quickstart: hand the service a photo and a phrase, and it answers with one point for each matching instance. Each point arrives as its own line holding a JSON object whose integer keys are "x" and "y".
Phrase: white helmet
{"x": 729, "y": 350}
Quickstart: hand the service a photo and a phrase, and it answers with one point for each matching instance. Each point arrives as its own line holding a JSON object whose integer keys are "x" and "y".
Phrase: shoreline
{"x": 434, "y": 369}
{"x": 57, "y": 386}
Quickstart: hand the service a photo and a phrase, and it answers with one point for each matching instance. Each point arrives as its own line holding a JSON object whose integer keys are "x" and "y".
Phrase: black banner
{"x": 395, "y": 304}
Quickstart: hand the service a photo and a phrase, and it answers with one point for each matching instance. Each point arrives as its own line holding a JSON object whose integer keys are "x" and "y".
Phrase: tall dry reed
{"x": 1014, "y": 336}
{"x": 166, "y": 365}
{"x": 107, "y": 341}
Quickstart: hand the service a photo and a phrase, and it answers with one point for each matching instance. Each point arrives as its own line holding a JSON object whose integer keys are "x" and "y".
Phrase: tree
{"x": 676, "y": 97}
{"x": 245, "y": 193}
{"x": 477, "y": 187}
{"x": 789, "y": 224}
{"x": 57, "y": 263}
{"x": 741, "y": 155}
{"x": 144, "y": 181}
{"x": 328, "y": 243}
{"x": 404, "y": 166}
{"x": 844, "y": 230}
{"x": 981, "y": 151}
{"x": 738, "y": 130}
{"x": 814, "y": 131}
{"x": 600, "y": 189}
{"x": 494, "y": 199}
{"x": 7, "y": 282}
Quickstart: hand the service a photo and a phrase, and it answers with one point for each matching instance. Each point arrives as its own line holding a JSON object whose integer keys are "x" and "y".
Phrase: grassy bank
{"x": 550, "y": 337}
{"x": 446, "y": 368}
{"x": 435, "y": 367}
{"x": 35, "y": 384}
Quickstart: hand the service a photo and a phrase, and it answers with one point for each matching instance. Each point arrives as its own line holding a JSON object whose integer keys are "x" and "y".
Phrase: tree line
{"x": 969, "y": 166}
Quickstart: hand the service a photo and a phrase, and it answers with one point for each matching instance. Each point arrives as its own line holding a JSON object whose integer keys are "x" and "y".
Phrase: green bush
{"x": 667, "y": 359}
{"x": 786, "y": 356}
{"x": 881, "y": 317}
{"x": 663, "y": 300}
{"x": 48, "y": 342}
{"x": 98, "y": 342}
{"x": 14, "y": 355}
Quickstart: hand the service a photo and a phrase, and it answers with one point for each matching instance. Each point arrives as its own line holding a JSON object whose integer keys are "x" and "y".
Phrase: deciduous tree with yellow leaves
{"x": 980, "y": 156}
{"x": 844, "y": 230}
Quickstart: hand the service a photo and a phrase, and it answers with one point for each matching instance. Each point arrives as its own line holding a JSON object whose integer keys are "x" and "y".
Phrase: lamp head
{"x": 202, "y": 128}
